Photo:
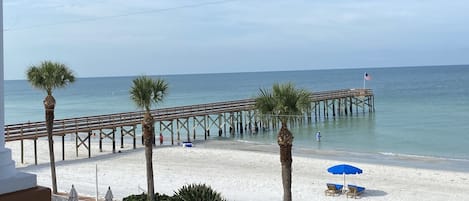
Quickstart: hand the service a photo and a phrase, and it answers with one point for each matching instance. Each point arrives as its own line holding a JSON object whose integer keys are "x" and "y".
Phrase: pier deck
{"x": 218, "y": 114}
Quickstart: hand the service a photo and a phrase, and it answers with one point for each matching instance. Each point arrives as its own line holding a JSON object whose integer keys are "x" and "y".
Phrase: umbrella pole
{"x": 343, "y": 188}
{"x": 97, "y": 182}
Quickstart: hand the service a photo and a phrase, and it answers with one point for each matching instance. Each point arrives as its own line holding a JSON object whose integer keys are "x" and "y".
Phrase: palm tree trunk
{"x": 49, "y": 105}
{"x": 285, "y": 141}
{"x": 148, "y": 133}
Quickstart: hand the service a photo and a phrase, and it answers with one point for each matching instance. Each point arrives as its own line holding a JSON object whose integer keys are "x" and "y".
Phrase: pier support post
{"x": 169, "y": 127}
{"x": 143, "y": 140}
{"x": 193, "y": 134}
{"x": 134, "y": 136}
{"x": 89, "y": 144}
{"x": 232, "y": 123}
{"x": 111, "y": 135}
{"x": 177, "y": 130}
{"x": 319, "y": 109}
{"x": 224, "y": 123}
{"x": 236, "y": 127}
{"x": 241, "y": 128}
{"x": 122, "y": 139}
{"x": 82, "y": 141}
{"x": 206, "y": 127}
{"x": 338, "y": 112}
{"x": 100, "y": 142}
{"x": 114, "y": 140}
{"x": 63, "y": 147}
{"x": 333, "y": 107}
{"x": 350, "y": 106}
{"x": 220, "y": 130}
{"x": 344, "y": 102}
{"x": 172, "y": 133}
{"x": 35, "y": 151}
{"x": 76, "y": 143}
{"x": 256, "y": 128}
{"x": 326, "y": 109}
{"x": 22, "y": 151}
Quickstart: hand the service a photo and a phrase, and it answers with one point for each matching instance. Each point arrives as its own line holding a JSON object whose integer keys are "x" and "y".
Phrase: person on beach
{"x": 161, "y": 139}
{"x": 318, "y": 136}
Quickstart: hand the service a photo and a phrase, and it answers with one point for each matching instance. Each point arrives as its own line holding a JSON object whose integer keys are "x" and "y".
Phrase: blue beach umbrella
{"x": 344, "y": 169}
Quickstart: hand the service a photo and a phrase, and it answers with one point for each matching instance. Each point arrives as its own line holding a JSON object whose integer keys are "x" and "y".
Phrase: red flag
{"x": 367, "y": 76}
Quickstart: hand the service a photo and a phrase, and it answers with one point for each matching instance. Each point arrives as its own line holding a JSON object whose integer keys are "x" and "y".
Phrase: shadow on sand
{"x": 83, "y": 159}
{"x": 373, "y": 193}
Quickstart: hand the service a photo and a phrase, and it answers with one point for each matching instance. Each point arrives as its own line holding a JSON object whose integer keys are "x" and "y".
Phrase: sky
{"x": 145, "y": 37}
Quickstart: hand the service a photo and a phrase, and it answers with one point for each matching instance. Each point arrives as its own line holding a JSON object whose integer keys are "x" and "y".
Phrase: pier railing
{"x": 32, "y": 130}
{"x": 342, "y": 93}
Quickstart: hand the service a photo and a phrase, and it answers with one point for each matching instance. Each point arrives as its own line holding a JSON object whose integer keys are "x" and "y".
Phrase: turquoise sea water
{"x": 420, "y": 111}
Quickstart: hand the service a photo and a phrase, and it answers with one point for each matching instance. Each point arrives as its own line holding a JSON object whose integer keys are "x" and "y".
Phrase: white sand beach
{"x": 239, "y": 171}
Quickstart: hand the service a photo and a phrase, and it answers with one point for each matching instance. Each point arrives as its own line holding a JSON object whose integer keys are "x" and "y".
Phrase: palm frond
{"x": 284, "y": 102}
{"x": 160, "y": 89}
{"x": 49, "y": 76}
{"x": 145, "y": 91}
{"x": 265, "y": 102}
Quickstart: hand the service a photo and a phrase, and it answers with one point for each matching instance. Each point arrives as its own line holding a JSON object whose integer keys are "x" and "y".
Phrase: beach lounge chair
{"x": 186, "y": 144}
{"x": 354, "y": 191}
{"x": 333, "y": 189}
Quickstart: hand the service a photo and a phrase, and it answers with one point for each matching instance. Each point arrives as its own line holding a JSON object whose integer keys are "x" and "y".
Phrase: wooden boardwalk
{"x": 219, "y": 114}
{"x": 32, "y": 130}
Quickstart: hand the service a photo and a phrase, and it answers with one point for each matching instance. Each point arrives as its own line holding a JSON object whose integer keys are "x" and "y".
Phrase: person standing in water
{"x": 318, "y": 136}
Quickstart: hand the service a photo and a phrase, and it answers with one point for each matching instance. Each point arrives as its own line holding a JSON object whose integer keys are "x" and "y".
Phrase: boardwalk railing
{"x": 35, "y": 130}
{"x": 343, "y": 93}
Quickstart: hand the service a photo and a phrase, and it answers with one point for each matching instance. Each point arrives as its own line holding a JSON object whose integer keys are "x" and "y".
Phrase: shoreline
{"x": 241, "y": 171}
{"x": 399, "y": 160}
{"x": 393, "y": 159}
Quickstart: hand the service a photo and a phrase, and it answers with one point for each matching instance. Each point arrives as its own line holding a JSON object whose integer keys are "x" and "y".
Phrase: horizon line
{"x": 262, "y": 71}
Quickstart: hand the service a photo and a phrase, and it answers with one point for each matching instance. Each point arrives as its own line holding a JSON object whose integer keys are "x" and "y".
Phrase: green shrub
{"x": 143, "y": 197}
{"x": 197, "y": 192}
{"x": 191, "y": 192}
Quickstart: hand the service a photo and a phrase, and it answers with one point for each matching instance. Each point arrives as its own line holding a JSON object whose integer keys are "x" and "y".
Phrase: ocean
{"x": 422, "y": 113}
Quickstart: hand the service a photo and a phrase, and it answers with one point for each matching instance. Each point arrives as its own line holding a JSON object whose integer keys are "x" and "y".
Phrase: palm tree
{"x": 49, "y": 76}
{"x": 145, "y": 92}
{"x": 283, "y": 103}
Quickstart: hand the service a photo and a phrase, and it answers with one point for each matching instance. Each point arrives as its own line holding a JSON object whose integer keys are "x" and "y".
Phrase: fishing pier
{"x": 232, "y": 116}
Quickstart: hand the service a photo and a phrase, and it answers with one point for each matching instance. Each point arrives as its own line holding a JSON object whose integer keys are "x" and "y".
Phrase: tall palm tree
{"x": 145, "y": 92}
{"x": 283, "y": 103}
{"x": 49, "y": 76}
